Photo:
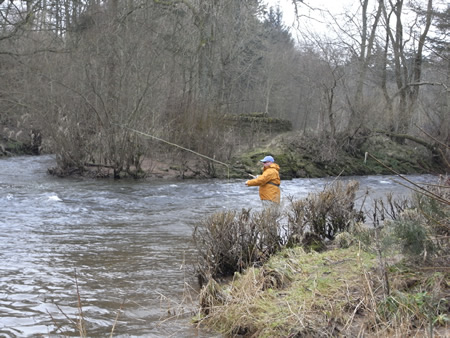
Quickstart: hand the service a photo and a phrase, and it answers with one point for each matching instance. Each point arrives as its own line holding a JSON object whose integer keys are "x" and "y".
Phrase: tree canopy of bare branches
{"x": 81, "y": 70}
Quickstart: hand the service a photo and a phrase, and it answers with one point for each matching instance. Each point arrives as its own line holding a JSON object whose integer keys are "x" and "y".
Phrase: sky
{"x": 314, "y": 14}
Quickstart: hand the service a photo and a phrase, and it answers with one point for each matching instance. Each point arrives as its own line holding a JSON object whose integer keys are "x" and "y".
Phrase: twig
{"x": 433, "y": 138}
{"x": 300, "y": 321}
{"x": 382, "y": 262}
{"x": 350, "y": 320}
{"x": 80, "y": 323}
{"x": 364, "y": 200}
{"x": 64, "y": 314}
{"x": 117, "y": 317}
{"x": 342, "y": 171}
{"x": 58, "y": 327}
{"x": 437, "y": 197}
{"x": 436, "y": 185}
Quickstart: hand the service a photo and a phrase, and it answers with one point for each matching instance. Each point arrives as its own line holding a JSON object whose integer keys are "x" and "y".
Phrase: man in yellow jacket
{"x": 268, "y": 182}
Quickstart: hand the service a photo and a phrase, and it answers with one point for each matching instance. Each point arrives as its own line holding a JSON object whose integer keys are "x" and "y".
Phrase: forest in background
{"x": 78, "y": 75}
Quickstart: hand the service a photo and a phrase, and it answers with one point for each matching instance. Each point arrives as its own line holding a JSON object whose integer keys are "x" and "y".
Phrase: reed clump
{"x": 231, "y": 241}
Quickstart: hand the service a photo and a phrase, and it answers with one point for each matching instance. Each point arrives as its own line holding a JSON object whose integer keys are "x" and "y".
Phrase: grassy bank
{"x": 337, "y": 292}
{"x": 328, "y": 273}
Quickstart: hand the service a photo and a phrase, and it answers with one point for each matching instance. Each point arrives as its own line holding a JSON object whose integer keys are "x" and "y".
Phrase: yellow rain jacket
{"x": 269, "y": 183}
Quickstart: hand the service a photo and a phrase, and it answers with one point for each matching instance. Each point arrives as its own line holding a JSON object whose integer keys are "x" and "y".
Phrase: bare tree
{"x": 367, "y": 40}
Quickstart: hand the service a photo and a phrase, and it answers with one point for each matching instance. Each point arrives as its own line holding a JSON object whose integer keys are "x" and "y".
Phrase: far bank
{"x": 300, "y": 155}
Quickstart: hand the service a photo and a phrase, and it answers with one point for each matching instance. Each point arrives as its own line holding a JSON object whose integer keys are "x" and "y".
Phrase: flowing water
{"x": 121, "y": 246}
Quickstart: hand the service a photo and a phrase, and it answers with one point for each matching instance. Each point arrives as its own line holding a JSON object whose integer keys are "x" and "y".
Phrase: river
{"x": 121, "y": 246}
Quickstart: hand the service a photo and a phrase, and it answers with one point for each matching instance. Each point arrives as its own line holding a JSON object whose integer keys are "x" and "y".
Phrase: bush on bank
{"x": 391, "y": 279}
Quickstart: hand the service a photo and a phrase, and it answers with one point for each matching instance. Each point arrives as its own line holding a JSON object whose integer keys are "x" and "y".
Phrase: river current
{"x": 124, "y": 247}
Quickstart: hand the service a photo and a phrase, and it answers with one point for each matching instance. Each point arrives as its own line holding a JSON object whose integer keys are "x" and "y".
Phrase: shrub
{"x": 231, "y": 241}
{"x": 421, "y": 232}
{"x": 324, "y": 214}
{"x": 413, "y": 237}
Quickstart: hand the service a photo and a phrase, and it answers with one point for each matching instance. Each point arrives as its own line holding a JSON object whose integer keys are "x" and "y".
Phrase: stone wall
{"x": 258, "y": 122}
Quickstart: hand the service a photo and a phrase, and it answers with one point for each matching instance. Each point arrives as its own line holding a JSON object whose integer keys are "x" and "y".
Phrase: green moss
{"x": 17, "y": 148}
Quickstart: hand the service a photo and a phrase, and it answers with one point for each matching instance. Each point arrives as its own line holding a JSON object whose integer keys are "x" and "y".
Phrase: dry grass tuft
{"x": 211, "y": 297}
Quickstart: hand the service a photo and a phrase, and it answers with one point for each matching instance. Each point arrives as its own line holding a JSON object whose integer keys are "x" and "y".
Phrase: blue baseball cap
{"x": 267, "y": 159}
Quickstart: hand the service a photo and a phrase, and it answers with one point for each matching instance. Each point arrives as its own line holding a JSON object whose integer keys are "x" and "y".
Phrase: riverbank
{"x": 299, "y": 156}
{"x": 334, "y": 293}
{"x": 386, "y": 277}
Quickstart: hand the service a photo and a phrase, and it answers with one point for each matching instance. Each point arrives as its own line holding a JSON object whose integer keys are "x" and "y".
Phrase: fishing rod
{"x": 176, "y": 145}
